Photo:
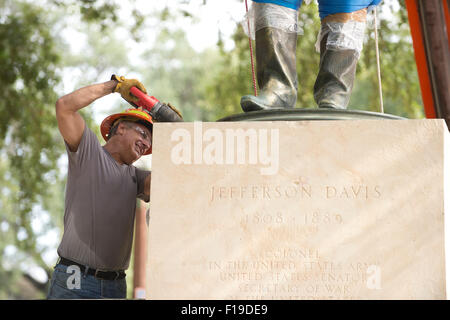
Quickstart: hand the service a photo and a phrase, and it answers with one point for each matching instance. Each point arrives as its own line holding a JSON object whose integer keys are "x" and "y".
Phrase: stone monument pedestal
{"x": 298, "y": 210}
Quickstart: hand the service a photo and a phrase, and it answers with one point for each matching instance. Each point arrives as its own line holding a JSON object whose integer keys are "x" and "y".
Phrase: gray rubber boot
{"x": 334, "y": 83}
{"x": 276, "y": 71}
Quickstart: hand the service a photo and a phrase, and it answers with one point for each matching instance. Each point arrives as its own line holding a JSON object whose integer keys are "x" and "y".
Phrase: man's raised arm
{"x": 70, "y": 123}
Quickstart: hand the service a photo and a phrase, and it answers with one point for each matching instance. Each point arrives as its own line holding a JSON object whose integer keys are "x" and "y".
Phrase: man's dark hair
{"x": 115, "y": 125}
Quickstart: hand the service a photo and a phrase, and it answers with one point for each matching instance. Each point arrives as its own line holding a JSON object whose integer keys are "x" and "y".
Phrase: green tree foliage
{"x": 177, "y": 74}
{"x": 29, "y": 141}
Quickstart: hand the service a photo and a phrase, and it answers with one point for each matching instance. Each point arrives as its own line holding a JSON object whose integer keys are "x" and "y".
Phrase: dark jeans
{"x": 68, "y": 284}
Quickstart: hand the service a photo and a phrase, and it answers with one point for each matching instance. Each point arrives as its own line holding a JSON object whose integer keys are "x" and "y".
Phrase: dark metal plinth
{"x": 308, "y": 114}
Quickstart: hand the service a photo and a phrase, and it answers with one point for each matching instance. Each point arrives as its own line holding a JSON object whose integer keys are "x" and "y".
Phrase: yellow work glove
{"x": 124, "y": 85}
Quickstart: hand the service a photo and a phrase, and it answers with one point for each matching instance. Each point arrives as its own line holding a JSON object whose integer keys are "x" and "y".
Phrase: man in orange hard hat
{"x": 101, "y": 192}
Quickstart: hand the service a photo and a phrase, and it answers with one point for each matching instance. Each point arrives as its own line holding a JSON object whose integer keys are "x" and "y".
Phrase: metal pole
{"x": 421, "y": 58}
{"x": 438, "y": 53}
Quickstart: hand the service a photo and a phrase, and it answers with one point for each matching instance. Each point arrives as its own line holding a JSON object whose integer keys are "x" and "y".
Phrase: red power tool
{"x": 159, "y": 111}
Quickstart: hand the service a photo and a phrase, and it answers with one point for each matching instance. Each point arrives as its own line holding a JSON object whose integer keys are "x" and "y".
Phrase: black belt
{"x": 104, "y": 275}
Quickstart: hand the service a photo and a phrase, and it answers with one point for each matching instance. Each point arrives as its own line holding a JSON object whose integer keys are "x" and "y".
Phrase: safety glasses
{"x": 143, "y": 134}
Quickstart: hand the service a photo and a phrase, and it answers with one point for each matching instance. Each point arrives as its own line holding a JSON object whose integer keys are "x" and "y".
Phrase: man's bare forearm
{"x": 70, "y": 123}
{"x": 83, "y": 97}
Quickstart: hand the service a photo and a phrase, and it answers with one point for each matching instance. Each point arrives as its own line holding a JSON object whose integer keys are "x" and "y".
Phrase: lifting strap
{"x": 380, "y": 89}
{"x": 251, "y": 50}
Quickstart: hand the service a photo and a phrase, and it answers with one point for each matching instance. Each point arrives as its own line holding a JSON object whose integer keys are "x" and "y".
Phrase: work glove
{"x": 123, "y": 87}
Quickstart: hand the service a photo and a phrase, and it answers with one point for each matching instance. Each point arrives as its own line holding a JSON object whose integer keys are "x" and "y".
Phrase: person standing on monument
{"x": 102, "y": 187}
{"x": 340, "y": 41}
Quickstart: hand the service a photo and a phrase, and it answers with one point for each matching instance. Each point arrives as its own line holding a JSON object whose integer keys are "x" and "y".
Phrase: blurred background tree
{"x": 51, "y": 47}
{"x": 29, "y": 142}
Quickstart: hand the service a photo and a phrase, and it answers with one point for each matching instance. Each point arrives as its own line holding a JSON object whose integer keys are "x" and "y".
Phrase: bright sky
{"x": 211, "y": 16}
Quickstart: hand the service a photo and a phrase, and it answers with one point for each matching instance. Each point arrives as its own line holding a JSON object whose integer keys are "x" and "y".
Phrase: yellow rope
{"x": 251, "y": 51}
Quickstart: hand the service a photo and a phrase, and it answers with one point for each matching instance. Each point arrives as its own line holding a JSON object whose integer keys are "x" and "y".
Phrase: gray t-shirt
{"x": 100, "y": 207}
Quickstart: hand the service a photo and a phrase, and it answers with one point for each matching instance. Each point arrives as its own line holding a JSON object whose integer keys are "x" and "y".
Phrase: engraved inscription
{"x": 295, "y": 190}
{"x": 299, "y": 275}
{"x": 335, "y": 210}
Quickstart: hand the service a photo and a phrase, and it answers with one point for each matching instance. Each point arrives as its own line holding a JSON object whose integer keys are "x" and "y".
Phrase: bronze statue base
{"x": 297, "y": 114}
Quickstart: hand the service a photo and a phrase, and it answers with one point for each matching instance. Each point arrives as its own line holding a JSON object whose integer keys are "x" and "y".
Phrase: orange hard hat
{"x": 134, "y": 115}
